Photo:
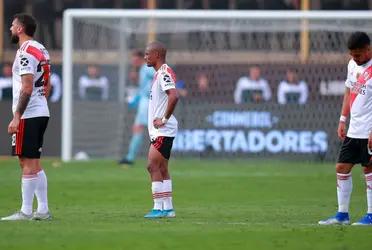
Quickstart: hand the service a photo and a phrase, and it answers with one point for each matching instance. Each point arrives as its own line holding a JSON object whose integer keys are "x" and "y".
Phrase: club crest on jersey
{"x": 24, "y": 62}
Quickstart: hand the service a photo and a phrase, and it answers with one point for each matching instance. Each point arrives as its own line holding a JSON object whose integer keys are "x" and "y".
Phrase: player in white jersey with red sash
{"x": 31, "y": 72}
{"x": 357, "y": 143}
{"x": 162, "y": 126}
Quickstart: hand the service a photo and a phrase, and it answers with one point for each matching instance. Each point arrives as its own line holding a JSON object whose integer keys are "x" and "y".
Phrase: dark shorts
{"x": 355, "y": 151}
{"x": 164, "y": 145}
{"x": 28, "y": 141}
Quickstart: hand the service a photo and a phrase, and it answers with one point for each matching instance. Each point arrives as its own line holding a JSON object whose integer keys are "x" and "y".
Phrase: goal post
{"x": 199, "y": 42}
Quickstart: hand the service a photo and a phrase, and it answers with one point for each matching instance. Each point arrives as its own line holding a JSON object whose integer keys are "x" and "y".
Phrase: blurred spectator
{"x": 56, "y": 91}
{"x": 292, "y": 90}
{"x": 6, "y": 82}
{"x": 253, "y": 88}
{"x": 93, "y": 86}
{"x": 197, "y": 92}
{"x": 203, "y": 84}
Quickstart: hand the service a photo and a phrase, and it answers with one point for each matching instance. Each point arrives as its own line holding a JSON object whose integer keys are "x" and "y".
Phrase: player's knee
{"x": 343, "y": 168}
{"x": 151, "y": 167}
{"x": 21, "y": 163}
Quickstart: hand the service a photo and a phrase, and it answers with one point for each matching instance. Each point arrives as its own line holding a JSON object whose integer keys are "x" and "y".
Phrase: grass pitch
{"x": 220, "y": 204}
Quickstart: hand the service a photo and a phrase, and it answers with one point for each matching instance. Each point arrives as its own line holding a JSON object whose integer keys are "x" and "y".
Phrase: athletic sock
{"x": 369, "y": 192}
{"x": 29, "y": 183}
{"x": 344, "y": 188}
{"x": 157, "y": 196}
{"x": 41, "y": 192}
{"x": 135, "y": 144}
{"x": 167, "y": 200}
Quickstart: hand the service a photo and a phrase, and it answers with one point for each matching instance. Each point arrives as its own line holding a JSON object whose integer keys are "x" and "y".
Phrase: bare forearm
{"x": 172, "y": 102}
{"x": 24, "y": 98}
{"x": 345, "y": 111}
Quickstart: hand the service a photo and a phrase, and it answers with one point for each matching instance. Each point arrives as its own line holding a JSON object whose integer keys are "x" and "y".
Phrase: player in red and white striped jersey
{"x": 31, "y": 72}
{"x": 357, "y": 143}
{"x": 162, "y": 126}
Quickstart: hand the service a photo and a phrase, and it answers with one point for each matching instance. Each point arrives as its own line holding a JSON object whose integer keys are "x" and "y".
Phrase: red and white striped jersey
{"x": 164, "y": 79}
{"x": 32, "y": 58}
{"x": 361, "y": 105}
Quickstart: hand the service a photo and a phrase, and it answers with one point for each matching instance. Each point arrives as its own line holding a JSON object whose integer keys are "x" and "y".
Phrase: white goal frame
{"x": 70, "y": 14}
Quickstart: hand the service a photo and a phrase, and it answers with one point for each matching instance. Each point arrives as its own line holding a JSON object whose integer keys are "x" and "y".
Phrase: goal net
{"x": 215, "y": 54}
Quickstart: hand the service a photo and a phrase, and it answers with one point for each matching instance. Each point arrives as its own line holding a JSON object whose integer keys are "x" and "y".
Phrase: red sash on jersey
{"x": 358, "y": 86}
{"x": 43, "y": 62}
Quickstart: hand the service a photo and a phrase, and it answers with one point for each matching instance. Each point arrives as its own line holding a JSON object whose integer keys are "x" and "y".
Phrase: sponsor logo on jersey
{"x": 24, "y": 62}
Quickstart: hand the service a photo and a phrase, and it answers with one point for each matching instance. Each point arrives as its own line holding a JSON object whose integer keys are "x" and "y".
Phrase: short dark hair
{"x": 358, "y": 40}
{"x": 28, "y": 23}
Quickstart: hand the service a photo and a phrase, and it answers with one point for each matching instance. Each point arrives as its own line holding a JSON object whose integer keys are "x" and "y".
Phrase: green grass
{"x": 220, "y": 204}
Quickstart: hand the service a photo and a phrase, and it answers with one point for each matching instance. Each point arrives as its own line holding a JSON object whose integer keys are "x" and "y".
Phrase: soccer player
{"x": 31, "y": 72}
{"x": 141, "y": 100}
{"x": 357, "y": 143}
{"x": 162, "y": 126}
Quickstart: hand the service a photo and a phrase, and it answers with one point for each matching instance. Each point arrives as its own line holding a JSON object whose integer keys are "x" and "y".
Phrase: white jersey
{"x": 164, "y": 79}
{"x": 245, "y": 83}
{"x": 359, "y": 80}
{"x": 299, "y": 88}
{"x": 32, "y": 58}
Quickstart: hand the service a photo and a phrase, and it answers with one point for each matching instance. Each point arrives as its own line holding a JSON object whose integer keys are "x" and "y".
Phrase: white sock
{"x": 157, "y": 196}
{"x": 29, "y": 183}
{"x": 167, "y": 200}
{"x": 344, "y": 188}
{"x": 41, "y": 192}
{"x": 369, "y": 192}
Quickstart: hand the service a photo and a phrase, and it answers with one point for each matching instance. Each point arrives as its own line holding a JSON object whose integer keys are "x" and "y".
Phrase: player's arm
{"x": 345, "y": 111}
{"x": 24, "y": 98}
{"x": 172, "y": 102}
{"x": 47, "y": 79}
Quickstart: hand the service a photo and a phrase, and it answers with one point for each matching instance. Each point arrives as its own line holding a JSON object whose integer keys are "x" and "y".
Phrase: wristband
{"x": 164, "y": 120}
{"x": 342, "y": 118}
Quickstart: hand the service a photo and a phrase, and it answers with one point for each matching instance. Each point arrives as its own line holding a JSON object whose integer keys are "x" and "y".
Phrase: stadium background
{"x": 323, "y": 68}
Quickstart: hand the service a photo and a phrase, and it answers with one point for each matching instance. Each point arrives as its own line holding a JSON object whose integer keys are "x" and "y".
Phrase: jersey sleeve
{"x": 167, "y": 81}
{"x": 27, "y": 64}
{"x": 348, "y": 81}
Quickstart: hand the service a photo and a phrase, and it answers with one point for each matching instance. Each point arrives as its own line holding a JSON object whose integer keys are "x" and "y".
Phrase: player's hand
{"x": 341, "y": 131}
{"x": 158, "y": 123}
{"x": 370, "y": 141}
{"x": 13, "y": 126}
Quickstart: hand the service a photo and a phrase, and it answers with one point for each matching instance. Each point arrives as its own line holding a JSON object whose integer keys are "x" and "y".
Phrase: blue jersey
{"x": 146, "y": 75}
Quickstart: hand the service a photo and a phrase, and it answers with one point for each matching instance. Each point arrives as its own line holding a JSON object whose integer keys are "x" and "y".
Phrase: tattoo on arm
{"x": 24, "y": 98}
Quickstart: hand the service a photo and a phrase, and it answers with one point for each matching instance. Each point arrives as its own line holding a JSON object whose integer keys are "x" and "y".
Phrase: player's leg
{"x": 153, "y": 167}
{"x": 41, "y": 192}
{"x": 165, "y": 151}
{"x": 367, "y": 169}
{"x": 168, "y": 209}
{"x": 346, "y": 160}
{"x": 30, "y": 181}
{"x": 28, "y": 146}
{"x": 139, "y": 126}
{"x": 134, "y": 145}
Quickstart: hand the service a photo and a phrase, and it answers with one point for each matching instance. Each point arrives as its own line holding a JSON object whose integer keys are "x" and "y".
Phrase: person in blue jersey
{"x": 141, "y": 102}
